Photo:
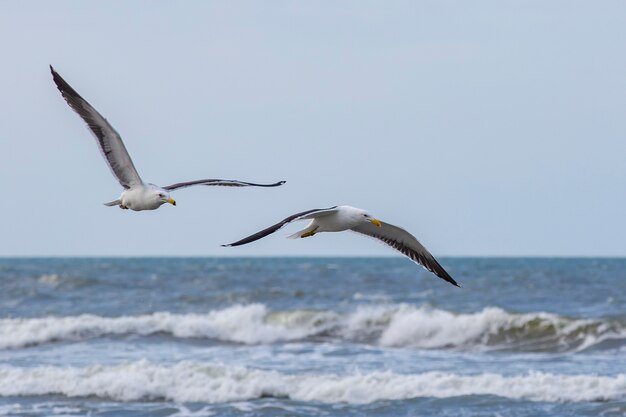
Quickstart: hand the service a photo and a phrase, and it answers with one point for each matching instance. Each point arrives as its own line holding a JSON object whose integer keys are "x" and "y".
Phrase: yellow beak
{"x": 375, "y": 222}
{"x": 171, "y": 201}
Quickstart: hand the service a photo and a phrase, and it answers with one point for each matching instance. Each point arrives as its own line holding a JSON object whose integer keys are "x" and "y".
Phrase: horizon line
{"x": 305, "y": 256}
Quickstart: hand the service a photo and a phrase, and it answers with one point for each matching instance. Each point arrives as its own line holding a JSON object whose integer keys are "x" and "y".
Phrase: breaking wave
{"x": 393, "y": 325}
{"x": 211, "y": 383}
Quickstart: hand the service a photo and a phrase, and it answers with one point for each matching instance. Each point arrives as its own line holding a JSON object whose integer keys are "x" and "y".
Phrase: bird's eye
{"x": 161, "y": 195}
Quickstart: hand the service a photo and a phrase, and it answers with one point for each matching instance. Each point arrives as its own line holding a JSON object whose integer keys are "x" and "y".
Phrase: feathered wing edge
{"x": 109, "y": 141}
{"x": 219, "y": 183}
{"x": 408, "y": 245}
{"x": 269, "y": 230}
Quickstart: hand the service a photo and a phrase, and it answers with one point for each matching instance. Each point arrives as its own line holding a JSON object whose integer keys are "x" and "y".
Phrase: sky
{"x": 486, "y": 128}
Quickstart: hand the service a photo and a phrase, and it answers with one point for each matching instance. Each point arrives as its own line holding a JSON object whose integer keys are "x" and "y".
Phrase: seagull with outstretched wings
{"x": 340, "y": 218}
{"x": 137, "y": 195}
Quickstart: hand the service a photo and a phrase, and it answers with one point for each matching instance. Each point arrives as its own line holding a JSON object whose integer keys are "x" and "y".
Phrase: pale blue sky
{"x": 485, "y": 128}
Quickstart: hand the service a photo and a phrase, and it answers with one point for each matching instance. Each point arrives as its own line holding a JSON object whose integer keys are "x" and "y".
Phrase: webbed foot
{"x": 309, "y": 233}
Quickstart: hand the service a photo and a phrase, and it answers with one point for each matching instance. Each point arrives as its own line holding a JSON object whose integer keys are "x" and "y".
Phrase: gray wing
{"x": 222, "y": 183}
{"x": 109, "y": 141}
{"x": 309, "y": 214}
{"x": 405, "y": 243}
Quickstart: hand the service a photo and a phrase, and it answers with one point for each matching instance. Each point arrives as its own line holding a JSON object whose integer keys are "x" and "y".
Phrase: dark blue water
{"x": 312, "y": 336}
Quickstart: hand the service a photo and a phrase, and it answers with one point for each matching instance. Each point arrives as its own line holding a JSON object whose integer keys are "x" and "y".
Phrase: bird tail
{"x": 113, "y": 203}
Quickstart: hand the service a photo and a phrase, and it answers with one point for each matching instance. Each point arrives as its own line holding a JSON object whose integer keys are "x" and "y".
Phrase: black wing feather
{"x": 275, "y": 227}
{"x": 109, "y": 141}
{"x": 418, "y": 254}
{"x": 220, "y": 183}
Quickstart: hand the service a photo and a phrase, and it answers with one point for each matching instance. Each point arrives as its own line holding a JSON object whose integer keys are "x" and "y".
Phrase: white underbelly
{"x": 333, "y": 224}
{"x": 135, "y": 199}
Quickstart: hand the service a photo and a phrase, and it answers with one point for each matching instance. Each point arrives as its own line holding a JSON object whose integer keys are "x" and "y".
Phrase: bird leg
{"x": 309, "y": 233}
{"x": 123, "y": 207}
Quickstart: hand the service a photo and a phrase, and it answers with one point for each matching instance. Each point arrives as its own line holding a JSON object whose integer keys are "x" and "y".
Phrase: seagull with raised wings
{"x": 340, "y": 218}
{"x": 137, "y": 194}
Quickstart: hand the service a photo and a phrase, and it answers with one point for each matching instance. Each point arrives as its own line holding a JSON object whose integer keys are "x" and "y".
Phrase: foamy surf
{"x": 390, "y": 326}
{"x": 248, "y": 324}
{"x": 212, "y": 383}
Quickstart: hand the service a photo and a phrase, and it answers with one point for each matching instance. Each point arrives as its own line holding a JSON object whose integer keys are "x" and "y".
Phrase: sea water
{"x": 312, "y": 337}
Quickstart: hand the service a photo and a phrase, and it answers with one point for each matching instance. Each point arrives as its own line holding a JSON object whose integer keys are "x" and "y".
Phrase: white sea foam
{"x": 211, "y": 383}
{"x": 10, "y": 409}
{"x": 242, "y": 324}
{"x": 434, "y": 328}
{"x": 386, "y": 325}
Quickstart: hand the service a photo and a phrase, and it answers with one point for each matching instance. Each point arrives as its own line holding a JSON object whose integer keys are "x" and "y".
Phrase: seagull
{"x": 137, "y": 195}
{"x": 340, "y": 218}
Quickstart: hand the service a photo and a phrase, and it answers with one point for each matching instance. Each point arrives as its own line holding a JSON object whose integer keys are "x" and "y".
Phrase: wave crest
{"x": 393, "y": 325}
{"x": 495, "y": 328}
{"x": 201, "y": 382}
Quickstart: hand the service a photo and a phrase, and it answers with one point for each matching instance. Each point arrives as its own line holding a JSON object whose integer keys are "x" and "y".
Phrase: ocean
{"x": 312, "y": 337}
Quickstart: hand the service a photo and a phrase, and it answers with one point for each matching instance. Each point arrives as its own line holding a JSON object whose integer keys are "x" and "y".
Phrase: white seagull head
{"x": 360, "y": 216}
{"x": 159, "y": 196}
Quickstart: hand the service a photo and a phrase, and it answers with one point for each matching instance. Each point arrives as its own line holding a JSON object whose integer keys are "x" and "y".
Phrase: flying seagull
{"x": 137, "y": 195}
{"x": 340, "y": 218}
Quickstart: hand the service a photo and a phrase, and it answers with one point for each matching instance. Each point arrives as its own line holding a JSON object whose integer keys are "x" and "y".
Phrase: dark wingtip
{"x": 226, "y": 246}
{"x": 453, "y": 282}
{"x": 55, "y": 74}
{"x": 58, "y": 80}
{"x": 446, "y": 277}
